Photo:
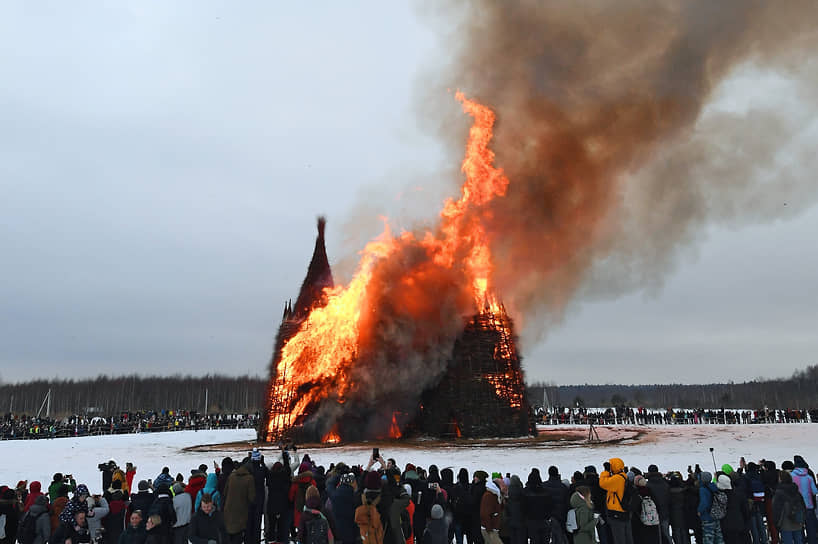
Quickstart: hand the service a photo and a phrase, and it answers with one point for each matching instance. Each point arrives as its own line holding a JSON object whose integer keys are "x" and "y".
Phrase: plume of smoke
{"x": 608, "y": 130}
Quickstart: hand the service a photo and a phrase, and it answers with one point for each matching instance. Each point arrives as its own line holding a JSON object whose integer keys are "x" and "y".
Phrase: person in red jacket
{"x": 35, "y": 490}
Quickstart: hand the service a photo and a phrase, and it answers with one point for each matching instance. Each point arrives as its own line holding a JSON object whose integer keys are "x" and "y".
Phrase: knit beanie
{"x": 724, "y": 482}
{"x": 727, "y": 469}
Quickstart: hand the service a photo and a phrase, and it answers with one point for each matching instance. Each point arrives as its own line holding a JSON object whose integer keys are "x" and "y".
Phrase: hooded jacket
{"x": 613, "y": 483}
{"x": 706, "y": 490}
{"x": 490, "y": 508}
{"x": 35, "y": 490}
{"x": 585, "y": 520}
{"x": 212, "y": 487}
{"x": 806, "y": 486}
{"x": 42, "y": 523}
{"x": 786, "y": 494}
{"x": 240, "y": 494}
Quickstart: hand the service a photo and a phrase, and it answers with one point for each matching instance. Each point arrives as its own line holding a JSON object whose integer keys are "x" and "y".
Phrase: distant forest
{"x": 797, "y": 392}
{"x": 245, "y": 394}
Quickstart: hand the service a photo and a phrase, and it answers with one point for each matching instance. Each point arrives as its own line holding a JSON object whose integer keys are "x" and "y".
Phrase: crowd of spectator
{"x": 291, "y": 499}
{"x": 644, "y": 416}
{"x": 16, "y": 427}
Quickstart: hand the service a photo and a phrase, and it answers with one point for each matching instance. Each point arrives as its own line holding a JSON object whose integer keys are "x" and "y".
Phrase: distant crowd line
{"x": 642, "y": 416}
{"x": 22, "y": 427}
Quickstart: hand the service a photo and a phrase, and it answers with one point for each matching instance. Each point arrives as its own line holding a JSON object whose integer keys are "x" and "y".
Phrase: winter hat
{"x": 496, "y": 476}
{"x": 203, "y": 468}
{"x": 727, "y": 468}
{"x": 312, "y": 498}
{"x": 437, "y": 512}
{"x": 799, "y": 462}
{"x": 372, "y": 481}
{"x": 143, "y": 485}
{"x": 178, "y": 487}
{"x": 82, "y": 489}
{"x": 408, "y": 489}
{"x": 787, "y": 465}
{"x": 705, "y": 477}
{"x": 653, "y": 468}
{"x": 255, "y": 455}
{"x": 724, "y": 482}
{"x": 639, "y": 481}
{"x": 590, "y": 469}
{"x": 481, "y": 475}
{"x": 305, "y": 466}
{"x": 22, "y": 484}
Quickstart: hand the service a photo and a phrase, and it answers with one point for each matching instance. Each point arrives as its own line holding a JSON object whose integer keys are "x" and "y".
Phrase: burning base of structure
{"x": 482, "y": 393}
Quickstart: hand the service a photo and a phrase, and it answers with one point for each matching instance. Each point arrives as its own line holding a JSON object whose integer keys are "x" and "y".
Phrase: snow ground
{"x": 669, "y": 447}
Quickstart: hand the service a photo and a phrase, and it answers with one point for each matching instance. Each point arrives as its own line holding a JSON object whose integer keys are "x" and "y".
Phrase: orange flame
{"x": 394, "y": 429}
{"x": 331, "y": 437}
{"x": 317, "y": 362}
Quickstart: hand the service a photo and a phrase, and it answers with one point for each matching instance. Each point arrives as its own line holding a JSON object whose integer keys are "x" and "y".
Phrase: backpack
{"x": 27, "y": 529}
{"x": 630, "y": 501}
{"x": 718, "y": 506}
{"x": 317, "y": 531}
{"x": 648, "y": 514}
{"x": 794, "y": 512}
{"x": 571, "y": 521}
{"x": 369, "y": 522}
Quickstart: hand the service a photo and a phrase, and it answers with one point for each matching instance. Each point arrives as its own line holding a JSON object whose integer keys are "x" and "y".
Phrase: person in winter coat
{"x": 98, "y": 510}
{"x": 298, "y": 491}
{"x": 711, "y": 528}
{"x": 114, "y": 522}
{"x": 398, "y": 500}
{"x": 163, "y": 507}
{"x": 757, "y": 530}
{"x": 437, "y": 530}
{"x": 212, "y": 488}
{"x": 35, "y": 490}
{"x": 207, "y": 524}
{"x": 130, "y": 472}
{"x": 515, "y": 517}
{"x": 660, "y": 491}
{"x": 613, "y": 480}
{"x": 279, "y": 509}
{"x": 74, "y": 531}
{"x": 586, "y": 518}
{"x": 134, "y": 533}
{"x": 196, "y": 482}
{"x": 142, "y": 501}
{"x": 163, "y": 479}
{"x": 677, "y": 494}
{"x": 459, "y": 499}
{"x": 536, "y": 508}
{"x": 153, "y": 530}
{"x": 57, "y": 506}
{"x": 78, "y": 503}
{"x": 313, "y": 515}
{"x": 38, "y": 516}
{"x": 490, "y": 514}
{"x": 789, "y": 510}
{"x": 806, "y": 486}
{"x": 476, "y": 491}
{"x": 9, "y": 506}
{"x": 255, "y": 511}
{"x": 591, "y": 479}
{"x": 558, "y": 494}
{"x": 735, "y": 525}
{"x": 181, "y": 505}
{"x": 227, "y": 469}
{"x": 59, "y": 481}
{"x": 341, "y": 492}
{"x": 649, "y": 534}
{"x": 367, "y": 517}
{"x": 239, "y": 495}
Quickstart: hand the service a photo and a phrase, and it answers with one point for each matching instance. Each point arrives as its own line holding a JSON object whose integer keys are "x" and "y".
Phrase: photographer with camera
{"x": 614, "y": 481}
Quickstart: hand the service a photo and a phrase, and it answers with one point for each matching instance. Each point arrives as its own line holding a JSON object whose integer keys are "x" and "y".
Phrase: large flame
{"x": 318, "y": 361}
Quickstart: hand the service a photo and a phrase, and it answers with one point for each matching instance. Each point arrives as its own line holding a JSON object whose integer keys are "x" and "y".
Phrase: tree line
{"x": 800, "y": 391}
{"x": 107, "y": 395}
{"x": 245, "y": 394}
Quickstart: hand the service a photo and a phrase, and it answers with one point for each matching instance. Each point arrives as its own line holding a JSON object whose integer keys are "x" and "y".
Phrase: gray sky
{"x": 162, "y": 164}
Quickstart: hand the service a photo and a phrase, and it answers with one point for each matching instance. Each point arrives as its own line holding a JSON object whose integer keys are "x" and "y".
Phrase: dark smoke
{"x": 609, "y": 133}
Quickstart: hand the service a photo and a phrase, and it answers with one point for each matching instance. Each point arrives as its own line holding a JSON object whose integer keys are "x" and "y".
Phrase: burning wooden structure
{"x": 481, "y": 394}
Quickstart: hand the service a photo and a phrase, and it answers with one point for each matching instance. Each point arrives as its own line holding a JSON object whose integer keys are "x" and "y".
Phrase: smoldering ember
{"x": 419, "y": 311}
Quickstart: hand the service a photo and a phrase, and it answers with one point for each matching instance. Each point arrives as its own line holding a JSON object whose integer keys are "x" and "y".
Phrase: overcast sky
{"x": 162, "y": 164}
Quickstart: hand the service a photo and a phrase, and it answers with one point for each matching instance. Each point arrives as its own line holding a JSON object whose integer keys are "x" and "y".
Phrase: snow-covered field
{"x": 670, "y": 447}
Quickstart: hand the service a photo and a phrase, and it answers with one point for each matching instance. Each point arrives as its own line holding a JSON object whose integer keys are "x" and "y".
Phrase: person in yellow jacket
{"x": 613, "y": 480}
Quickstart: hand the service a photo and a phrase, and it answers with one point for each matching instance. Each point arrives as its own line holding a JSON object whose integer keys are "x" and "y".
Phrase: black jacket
{"x": 558, "y": 494}
{"x": 343, "y": 509}
{"x": 204, "y": 527}
{"x": 738, "y": 512}
{"x": 660, "y": 491}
